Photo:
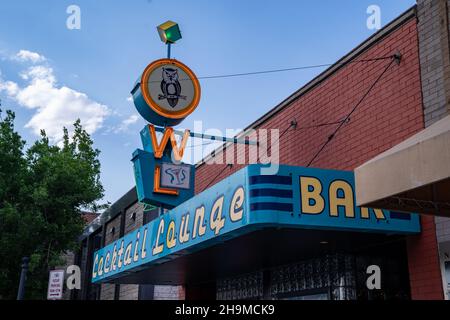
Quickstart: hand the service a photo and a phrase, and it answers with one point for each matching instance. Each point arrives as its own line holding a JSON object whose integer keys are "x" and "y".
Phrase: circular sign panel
{"x": 169, "y": 92}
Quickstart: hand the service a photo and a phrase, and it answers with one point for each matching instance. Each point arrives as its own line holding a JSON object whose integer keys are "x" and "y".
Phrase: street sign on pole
{"x": 55, "y": 285}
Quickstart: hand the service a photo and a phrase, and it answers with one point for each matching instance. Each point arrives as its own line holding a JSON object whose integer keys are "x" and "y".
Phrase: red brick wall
{"x": 424, "y": 272}
{"x": 391, "y": 113}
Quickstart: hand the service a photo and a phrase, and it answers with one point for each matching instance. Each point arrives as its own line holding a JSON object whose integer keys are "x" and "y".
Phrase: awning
{"x": 245, "y": 203}
{"x": 413, "y": 176}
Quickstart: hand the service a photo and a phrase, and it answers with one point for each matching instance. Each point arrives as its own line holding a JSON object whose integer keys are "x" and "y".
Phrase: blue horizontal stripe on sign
{"x": 400, "y": 215}
{"x": 271, "y": 206}
{"x": 271, "y": 179}
{"x": 280, "y": 193}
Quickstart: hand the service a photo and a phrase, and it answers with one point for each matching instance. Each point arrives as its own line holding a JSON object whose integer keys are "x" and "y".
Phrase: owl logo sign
{"x": 167, "y": 92}
{"x": 171, "y": 87}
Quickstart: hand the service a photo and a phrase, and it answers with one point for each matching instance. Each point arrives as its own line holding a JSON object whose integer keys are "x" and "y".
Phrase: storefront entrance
{"x": 331, "y": 277}
{"x": 333, "y": 270}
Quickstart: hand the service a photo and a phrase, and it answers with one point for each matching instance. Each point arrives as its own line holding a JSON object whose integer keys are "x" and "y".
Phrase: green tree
{"x": 42, "y": 192}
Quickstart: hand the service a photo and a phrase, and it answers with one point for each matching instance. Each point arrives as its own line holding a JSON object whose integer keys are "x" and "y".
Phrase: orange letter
{"x": 157, "y": 184}
{"x": 178, "y": 153}
{"x": 158, "y": 149}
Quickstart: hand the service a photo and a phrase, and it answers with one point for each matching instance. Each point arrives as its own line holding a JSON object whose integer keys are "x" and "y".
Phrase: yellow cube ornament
{"x": 169, "y": 32}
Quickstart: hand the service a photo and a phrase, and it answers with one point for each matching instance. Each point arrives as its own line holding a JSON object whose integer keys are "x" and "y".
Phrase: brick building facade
{"x": 391, "y": 113}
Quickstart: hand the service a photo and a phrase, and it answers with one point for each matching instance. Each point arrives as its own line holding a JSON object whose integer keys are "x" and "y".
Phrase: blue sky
{"x": 51, "y": 75}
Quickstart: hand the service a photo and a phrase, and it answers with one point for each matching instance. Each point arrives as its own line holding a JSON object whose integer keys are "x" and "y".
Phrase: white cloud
{"x": 10, "y": 87}
{"x": 125, "y": 124}
{"x": 29, "y": 56}
{"x": 55, "y": 107}
{"x": 130, "y": 99}
{"x": 37, "y": 73}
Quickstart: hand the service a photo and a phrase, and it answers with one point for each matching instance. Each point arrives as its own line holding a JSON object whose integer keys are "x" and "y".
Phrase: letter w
{"x": 158, "y": 148}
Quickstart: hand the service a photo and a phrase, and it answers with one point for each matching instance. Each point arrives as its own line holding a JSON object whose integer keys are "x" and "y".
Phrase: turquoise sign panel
{"x": 144, "y": 170}
{"x": 246, "y": 201}
{"x": 144, "y": 163}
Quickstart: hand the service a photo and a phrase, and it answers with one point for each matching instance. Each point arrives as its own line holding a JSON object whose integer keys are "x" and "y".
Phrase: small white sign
{"x": 175, "y": 175}
{"x": 55, "y": 285}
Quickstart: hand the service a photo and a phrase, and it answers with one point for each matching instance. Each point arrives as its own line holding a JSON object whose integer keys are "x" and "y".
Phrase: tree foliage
{"x": 42, "y": 192}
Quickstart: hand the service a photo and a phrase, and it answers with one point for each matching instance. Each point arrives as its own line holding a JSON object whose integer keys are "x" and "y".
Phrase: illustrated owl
{"x": 170, "y": 86}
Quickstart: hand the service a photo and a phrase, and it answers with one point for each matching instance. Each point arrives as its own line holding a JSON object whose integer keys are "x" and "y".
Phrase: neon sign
{"x": 167, "y": 92}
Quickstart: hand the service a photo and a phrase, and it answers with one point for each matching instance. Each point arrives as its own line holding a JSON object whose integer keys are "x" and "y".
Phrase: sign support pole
{"x": 168, "y": 50}
{"x": 210, "y": 137}
{"x": 23, "y": 278}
